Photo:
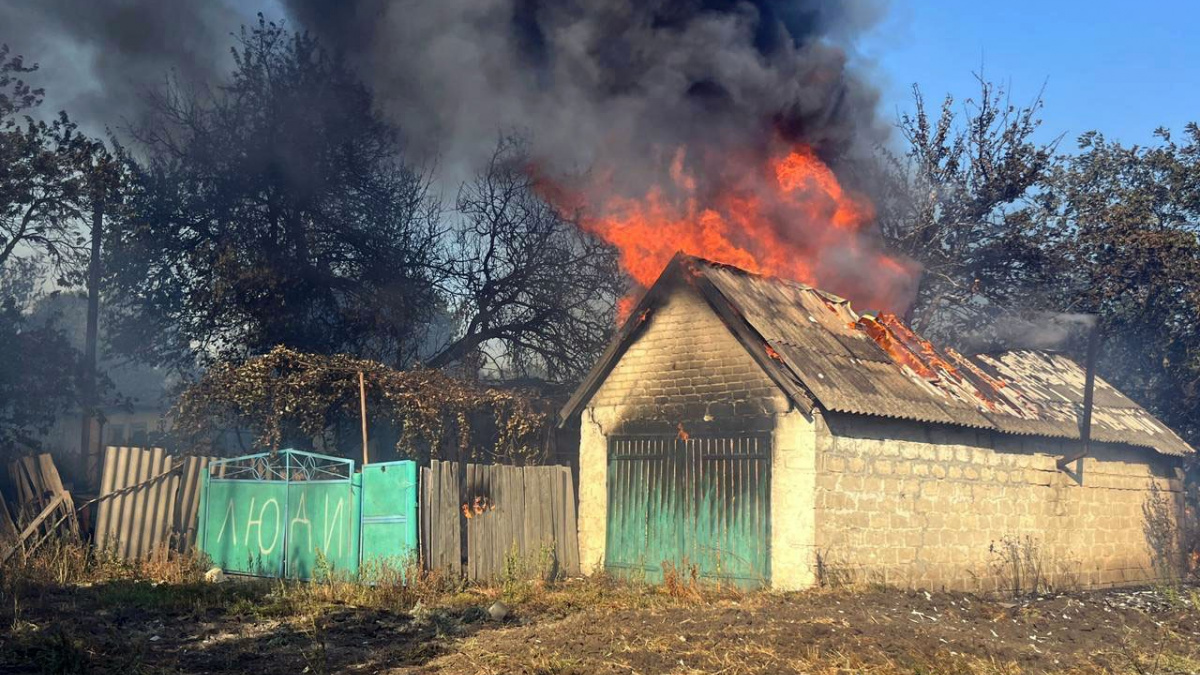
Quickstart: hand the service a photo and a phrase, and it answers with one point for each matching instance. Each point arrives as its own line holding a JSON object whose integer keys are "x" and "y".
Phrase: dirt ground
{"x": 591, "y": 627}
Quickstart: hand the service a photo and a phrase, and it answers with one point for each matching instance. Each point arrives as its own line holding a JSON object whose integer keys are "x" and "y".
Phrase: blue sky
{"x": 1123, "y": 68}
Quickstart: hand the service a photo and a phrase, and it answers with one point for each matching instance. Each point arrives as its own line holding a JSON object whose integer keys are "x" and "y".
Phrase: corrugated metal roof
{"x": 827, "y": 346}
{"x": 1055, "y": 384}
{"x": 812, "y": 342}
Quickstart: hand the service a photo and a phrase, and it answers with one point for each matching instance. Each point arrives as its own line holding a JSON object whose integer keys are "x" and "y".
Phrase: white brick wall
{"x": 793, "y": 510}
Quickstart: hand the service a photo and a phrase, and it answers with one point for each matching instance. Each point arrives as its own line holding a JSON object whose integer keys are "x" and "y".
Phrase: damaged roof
{"x": 819, "y": 351}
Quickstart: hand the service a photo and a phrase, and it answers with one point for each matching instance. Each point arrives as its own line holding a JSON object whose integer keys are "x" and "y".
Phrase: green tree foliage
{"x": 278, "y": 210}
{"x": 42, "y": 175}
{"x": 37, "y": 370}
{"x": 46, "y": 183}
{"x": 1126, "y": 226}
{"x": 273, "y": 210}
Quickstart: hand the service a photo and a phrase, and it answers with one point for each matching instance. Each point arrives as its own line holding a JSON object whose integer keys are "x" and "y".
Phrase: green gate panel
{"x": 323, "y": 528}
{"x": 245, "y": 524}
{"x": 286, "y": 514}
{"x": 702, "y": 502}
{"x": 389, "y": 515}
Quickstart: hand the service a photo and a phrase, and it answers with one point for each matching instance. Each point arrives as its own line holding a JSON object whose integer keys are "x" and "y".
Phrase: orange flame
{"x": 789, "y": 218}
{"x": 883, "y": 332}
{"x": 907, "y": 348}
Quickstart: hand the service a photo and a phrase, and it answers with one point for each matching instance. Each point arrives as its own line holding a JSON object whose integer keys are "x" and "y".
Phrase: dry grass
{"x": 70, "y": 609}
{"x": 67, "y": 562}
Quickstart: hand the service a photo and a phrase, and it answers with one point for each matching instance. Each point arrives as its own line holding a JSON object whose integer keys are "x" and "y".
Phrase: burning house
{"x": 762, "y": 431}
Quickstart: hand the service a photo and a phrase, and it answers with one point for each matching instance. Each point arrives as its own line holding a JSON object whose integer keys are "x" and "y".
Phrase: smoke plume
{"x": 732, "y": 120}
{"x": 671, "y": 122}
{"x": 98, "y": 57}
{"x": 614, "y": 80}
{"x": 1031, "y": 330}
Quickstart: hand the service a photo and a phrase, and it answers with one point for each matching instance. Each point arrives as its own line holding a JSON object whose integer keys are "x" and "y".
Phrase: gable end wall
{"x": 684, "y": 366}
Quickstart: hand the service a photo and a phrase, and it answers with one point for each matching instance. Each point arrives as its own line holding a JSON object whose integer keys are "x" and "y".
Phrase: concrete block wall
{"x": 924, "y": 506}
{"x": 685, "y": 367}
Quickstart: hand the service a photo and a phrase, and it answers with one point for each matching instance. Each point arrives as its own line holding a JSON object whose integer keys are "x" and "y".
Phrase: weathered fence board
{"x": 8, "y": 527}
{"x": 439, "y": 519}
{"x": 43, "y": 507}
{"x": 524, "y": 514}
{"x": 148, "y": 501}
{"x": 37, "y": 483}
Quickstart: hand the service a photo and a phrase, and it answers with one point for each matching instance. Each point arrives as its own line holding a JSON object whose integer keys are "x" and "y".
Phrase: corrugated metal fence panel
{"x": 148, "y": 502}
{"x": 522, "y": 515}
{"x": 704, "y": 501}
{"x": 133, "y": 513}
{"x": 187, "y": 502}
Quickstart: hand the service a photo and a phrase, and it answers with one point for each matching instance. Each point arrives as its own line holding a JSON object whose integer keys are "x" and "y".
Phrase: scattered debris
{"x": 498, "y": 611}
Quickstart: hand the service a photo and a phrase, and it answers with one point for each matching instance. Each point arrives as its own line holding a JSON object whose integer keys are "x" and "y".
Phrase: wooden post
{"x": 463, "y": 504}
{"x": 362, "y": 404}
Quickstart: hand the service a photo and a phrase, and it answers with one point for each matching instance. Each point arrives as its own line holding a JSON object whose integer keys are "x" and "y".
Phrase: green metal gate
{"x": 702, "y": 501}
{"x": 389, "y": 523}
{"x": 293, "y": 514}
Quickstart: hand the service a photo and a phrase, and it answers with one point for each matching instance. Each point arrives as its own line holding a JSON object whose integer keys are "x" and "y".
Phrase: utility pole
{"x": 89, "y": 460}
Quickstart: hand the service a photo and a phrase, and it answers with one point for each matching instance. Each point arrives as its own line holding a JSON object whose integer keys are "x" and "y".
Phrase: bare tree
{"x": 533, "y": 294}
{"x": 958, "y": 201}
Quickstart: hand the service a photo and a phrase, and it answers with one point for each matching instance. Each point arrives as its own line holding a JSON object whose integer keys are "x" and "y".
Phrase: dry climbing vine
{"x": 285, "y": 395}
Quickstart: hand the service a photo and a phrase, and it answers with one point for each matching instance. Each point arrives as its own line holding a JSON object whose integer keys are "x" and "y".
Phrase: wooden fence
{"x": 521, "y": 514}
{"x": 43, "y": 507}
{"x": 148, "y": 501}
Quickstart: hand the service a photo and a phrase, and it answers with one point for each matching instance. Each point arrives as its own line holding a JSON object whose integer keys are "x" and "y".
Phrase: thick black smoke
{"x": 98, "y": 57}
{"x": 584, "y": 80}
{"x": 610, "y": 80}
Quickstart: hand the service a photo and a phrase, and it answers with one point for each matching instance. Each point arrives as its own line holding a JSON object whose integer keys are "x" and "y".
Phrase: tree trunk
{"x": 89, "y": 460}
